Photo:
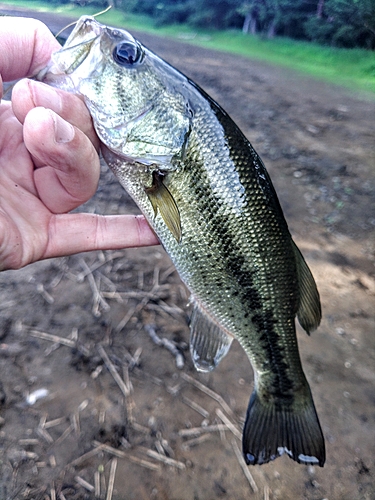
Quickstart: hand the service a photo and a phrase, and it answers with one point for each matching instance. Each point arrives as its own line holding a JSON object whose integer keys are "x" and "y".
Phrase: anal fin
{"x": 208, "y": 342}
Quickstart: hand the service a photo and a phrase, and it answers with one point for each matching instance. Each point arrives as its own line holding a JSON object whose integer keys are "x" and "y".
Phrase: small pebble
{"x": 297, "y": 174}
{"x": 33, "y": 397}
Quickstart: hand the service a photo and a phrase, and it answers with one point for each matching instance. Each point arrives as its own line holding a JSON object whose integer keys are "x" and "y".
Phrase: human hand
{"x": 48, "y": 162}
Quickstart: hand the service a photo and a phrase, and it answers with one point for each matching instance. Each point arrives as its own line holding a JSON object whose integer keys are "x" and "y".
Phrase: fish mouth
{"x": 72, "y": 55}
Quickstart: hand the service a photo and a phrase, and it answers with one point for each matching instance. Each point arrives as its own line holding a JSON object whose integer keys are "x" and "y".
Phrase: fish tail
{"x": 273, "y": 428}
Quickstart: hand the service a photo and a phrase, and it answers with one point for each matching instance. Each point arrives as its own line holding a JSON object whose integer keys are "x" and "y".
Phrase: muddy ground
{"x": 89, "y": 401}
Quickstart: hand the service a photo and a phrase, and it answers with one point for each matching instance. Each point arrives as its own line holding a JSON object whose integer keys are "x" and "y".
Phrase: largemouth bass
{"x": 208, "y": 197}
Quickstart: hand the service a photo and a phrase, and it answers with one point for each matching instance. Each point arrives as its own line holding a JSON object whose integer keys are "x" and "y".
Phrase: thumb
{"x": 67, "y": 165}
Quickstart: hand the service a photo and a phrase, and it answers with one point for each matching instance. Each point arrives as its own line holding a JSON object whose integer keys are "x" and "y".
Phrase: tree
{"x": 344, "y": 23}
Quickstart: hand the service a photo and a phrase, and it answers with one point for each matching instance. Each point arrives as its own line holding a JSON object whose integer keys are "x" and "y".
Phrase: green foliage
{"x": 354, "y": 68}
{"x": 344, "y": 23}
{"x": 340, "y": 23}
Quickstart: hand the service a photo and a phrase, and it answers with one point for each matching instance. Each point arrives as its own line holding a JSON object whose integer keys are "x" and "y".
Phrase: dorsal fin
{"x": 208, "y": 343}
{"x": 309, "y": 312}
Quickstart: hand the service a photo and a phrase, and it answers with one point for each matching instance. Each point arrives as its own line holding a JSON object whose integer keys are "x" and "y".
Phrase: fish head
{"x": 139, "y": 104}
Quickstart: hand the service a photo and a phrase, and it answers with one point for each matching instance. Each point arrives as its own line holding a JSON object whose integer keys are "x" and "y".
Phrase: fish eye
{"x": 127, "y": 54}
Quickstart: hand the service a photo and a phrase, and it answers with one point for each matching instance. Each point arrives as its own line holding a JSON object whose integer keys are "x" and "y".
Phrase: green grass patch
{"x": 352, "y": 68}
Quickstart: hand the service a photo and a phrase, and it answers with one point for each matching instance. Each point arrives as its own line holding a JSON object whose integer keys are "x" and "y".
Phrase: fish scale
{"x": 208, "y": 197}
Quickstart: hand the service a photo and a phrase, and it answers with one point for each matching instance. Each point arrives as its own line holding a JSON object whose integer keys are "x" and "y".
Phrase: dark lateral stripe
{"x": 251, "y": 173}
{"x": 281, "y": 385}
{"x": 225, "y": 235}
{"x": 235, "y": 265}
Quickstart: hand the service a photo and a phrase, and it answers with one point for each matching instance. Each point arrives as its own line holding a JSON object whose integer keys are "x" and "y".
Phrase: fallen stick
{"x": 92, "y": 453}
{"x": 98, "y": 299}
{"x": 195, "y": 406}
{"x": 210, "y": 393}
{"x": 164, "y": 342}
{"x": 64, "y": 435}
{"x": 53, "y": 423}
{"x": 122, "y": 454}
{"x": 196, "y": 431}
{"x": 165, "y": 460}
{"x": 82, "y": 275}
{"x": 195, "y": 441}
{"x": 129, "y": 315}
{"x": 112, "y": 370}
{"x": 52, "y": 338}
{"x": 266, "y": 492}
{"x": 229, "y": 424}
{"x": 45, "y": 435}
{"x": 111, "y": 480}
{"x": 84, "y": 484}
{"x": 244, "y": 467}
{"x": 97, "y": 484}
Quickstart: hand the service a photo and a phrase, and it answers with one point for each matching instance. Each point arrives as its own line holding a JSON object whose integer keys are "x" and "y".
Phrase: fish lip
{"x": 78, "y": 45}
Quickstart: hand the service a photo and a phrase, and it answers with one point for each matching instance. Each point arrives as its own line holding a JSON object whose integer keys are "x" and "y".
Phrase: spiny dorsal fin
{"x": 309, "y": 312}
{"x": 208, "y": 343}
{"x": 162, "y": 201}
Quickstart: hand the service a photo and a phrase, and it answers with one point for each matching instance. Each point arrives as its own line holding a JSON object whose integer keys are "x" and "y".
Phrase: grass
{"x": 352, "y": 68}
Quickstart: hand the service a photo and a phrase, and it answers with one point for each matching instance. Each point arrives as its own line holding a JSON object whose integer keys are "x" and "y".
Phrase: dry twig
{"x": 64, "y": 435}
{"x": 198, "y": 408}
{"x": 229, "y": 424}
{"x": 97, "y": 297}
{"x": 84, "y": 484}
{"x": 55, "y": 422}
{"x": 196, "y": 431}
{"x": 97, "y": 484}
{"x": 122, "y": 454}
{"x": 244, "y": 467}
{"x": 111, "y": 481}
{"x": 210, "y": 393}
{"x": 165, "y": 460}
{"x": 92, "y": 453}
{"x": 51, "y": 338}
{"x": 164, "y": 342}
{"x": 112, "y": 370}
{"x": 53, "y": 493}
{"x": 195, "y": 441}
{"x": 266, "y": 492}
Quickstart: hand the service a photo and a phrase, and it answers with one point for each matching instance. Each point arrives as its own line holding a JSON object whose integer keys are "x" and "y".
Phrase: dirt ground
{"x": 98, "y": 394}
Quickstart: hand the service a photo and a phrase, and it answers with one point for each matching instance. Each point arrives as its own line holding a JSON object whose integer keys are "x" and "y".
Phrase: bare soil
{"x": 89, "y": 402}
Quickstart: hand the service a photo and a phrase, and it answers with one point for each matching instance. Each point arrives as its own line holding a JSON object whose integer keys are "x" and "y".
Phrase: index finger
{"x": 26, "y": 46}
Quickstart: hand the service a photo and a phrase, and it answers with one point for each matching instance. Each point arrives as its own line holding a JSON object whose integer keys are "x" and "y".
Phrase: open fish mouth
{"x": 62, "y": 70}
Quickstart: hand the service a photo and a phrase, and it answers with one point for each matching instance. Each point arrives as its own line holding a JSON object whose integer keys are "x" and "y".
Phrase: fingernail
{"x": 45, "y": 96}
{"x": 64, "y": 131}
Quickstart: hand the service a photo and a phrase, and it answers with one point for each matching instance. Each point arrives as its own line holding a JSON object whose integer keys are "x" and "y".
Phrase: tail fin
{"x": 271, "y": 430}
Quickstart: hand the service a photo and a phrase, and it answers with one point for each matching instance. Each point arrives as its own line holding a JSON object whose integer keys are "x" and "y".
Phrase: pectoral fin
{"x": 208, "y": 343}
{"x": 163, "y": 202}
{"x": 309, "y": 312}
